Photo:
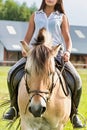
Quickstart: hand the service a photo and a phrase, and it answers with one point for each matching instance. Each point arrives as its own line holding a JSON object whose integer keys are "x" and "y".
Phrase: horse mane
{"x": 43, "y": 37}
{"x": 41, "y": 52}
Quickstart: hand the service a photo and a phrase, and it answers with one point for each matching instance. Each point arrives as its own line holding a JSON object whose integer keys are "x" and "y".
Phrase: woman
{"x": 51, "y": 16}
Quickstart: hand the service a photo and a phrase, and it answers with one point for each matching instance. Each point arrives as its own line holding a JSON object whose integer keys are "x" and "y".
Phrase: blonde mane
{"x": 40, "y": 56}
{"x": 41, "y": 52}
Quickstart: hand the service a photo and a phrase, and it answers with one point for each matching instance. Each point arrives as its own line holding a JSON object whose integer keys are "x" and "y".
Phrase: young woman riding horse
{"x": 51, "y": 16}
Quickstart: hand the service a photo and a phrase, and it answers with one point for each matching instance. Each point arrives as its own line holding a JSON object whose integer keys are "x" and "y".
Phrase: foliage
{"x": 11, "y": 10}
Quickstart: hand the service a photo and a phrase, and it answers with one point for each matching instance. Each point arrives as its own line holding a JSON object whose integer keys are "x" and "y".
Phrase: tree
{"x": 24, "y": 12}
{"x": 1, "y": 9}
{"x": 11, "y": 10}
{"x": 33, "y": 8}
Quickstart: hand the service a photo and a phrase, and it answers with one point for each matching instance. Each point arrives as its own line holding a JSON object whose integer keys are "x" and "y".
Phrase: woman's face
{"x": 51, "y": 2}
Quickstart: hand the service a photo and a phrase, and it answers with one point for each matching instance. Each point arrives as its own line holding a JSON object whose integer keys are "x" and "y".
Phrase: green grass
{"x": 4, "y": 95}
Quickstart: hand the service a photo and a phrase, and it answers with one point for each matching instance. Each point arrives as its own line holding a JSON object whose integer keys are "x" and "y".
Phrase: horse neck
{"x": 59, "y": 84}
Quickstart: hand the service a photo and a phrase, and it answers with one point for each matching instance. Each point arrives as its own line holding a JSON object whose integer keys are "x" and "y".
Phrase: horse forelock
{"x": 40, "y": 58}
{"x": 41, "y": 52}
{"x": 44, "y": 37}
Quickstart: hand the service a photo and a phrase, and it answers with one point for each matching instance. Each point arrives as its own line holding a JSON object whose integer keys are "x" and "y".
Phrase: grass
{"x": 4, "y": 95}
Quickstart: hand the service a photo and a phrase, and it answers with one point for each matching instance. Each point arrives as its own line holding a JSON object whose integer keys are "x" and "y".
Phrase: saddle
{"x": 15, "y": 74}
{"x": 68, "y": 77}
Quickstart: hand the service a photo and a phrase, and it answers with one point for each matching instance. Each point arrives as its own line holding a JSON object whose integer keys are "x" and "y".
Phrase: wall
{"x": 79, "y": 60}
{"x": 1, "y": 52}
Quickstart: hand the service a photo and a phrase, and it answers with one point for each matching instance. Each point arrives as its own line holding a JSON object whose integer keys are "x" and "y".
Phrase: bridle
{"x": 49, "y": 92}
{"x": 38, "y": 92}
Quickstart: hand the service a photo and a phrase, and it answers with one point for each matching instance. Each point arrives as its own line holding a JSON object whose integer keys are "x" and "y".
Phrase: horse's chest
{"x": 38, "y": 124}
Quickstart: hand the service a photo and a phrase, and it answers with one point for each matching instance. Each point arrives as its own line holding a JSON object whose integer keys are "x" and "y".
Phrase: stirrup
{"x": 81, "y": 117}
{"x": 6, "y": 111}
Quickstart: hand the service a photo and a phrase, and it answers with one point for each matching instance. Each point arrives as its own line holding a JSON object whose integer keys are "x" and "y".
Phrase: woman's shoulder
{"x": 38, "y": 14}
{"x": 65, "y": 18}
{"x": 34, "y": 13}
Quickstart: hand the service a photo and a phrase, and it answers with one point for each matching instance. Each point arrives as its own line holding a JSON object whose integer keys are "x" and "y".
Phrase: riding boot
{"x": 14, "y": 76}
{"x": 13, "y": 111}
{"x": 74, "y": 117}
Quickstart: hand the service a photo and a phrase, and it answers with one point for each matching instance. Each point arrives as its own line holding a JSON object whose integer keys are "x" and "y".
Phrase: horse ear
{"x": 25, "y": 46}
{"x": 55, "y": 49}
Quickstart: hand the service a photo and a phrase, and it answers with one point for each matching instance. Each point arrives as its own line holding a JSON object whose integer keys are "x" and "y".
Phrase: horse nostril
{"x": 30, "y": 109}
{"x": 44, "y": 109}
{"x": 37, "y": 112}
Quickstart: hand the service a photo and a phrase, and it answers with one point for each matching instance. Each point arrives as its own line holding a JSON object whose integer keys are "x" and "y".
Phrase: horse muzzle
{"x": 37, "y": 108}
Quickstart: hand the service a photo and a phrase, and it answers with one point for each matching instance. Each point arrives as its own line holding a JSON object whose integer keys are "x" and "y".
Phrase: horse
{"x": 42, "y": 102}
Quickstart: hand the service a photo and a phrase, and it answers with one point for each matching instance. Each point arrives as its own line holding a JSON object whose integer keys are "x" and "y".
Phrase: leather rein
{"x": 38, "y": 92}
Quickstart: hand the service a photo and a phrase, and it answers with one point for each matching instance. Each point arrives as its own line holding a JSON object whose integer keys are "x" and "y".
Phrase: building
{"x": 11, "y": 32}
{"x": 79, "y": 41}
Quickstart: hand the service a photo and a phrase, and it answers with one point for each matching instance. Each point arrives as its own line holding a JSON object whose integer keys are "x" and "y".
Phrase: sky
{"x": 76, "y": 10}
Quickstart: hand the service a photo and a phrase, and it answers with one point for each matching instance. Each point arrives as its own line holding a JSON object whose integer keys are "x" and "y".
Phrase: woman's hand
{"x": 66, "y": 56}
{"x": 24, "y": 53}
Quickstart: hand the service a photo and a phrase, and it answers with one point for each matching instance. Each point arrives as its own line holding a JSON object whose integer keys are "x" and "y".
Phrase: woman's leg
{"x": 14, "y": 76}
{"x": 76, "y": 87}
{"x": 76, "y": 95}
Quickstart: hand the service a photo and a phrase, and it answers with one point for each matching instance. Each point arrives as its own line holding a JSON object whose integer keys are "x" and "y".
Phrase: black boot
{"x": 13, "y": 110}
{"x": 11, "y": 114}
{"x": 76, "y": 122}
{"x": 74, "y": 117}
{"x": 14, "y": 77}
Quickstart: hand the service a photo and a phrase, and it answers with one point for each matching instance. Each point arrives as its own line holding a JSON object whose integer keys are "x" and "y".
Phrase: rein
{"x": 67, "y": 91}
{"x": 38, "y": 92}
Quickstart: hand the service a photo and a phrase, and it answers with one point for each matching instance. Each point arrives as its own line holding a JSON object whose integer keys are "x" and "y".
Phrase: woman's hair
{"x": 58, "y": 7}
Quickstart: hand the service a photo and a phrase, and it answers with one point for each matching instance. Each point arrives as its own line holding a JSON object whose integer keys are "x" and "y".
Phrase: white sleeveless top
{"x": 51, "y": 23}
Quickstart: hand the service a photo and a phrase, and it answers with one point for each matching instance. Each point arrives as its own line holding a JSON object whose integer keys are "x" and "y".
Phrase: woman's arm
{"x": 30, "y": 30}
{"x": 67, "y": 37}
{"x": 29, "y": 33}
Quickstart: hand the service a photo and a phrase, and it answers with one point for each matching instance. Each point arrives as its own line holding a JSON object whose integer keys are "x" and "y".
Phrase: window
{"x": 11, "y": 30}
{"x": 79, "y": 34}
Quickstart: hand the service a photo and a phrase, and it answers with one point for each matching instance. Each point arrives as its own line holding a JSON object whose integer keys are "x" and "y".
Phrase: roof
{"x": 11, "y": 32}
{"x": 79, "y": 39}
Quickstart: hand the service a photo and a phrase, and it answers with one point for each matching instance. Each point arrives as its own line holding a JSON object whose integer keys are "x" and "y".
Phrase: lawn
{"x": 4, "y": 95}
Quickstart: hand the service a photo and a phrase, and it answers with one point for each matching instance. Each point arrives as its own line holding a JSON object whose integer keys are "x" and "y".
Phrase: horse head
{"x": 40, "y": 69}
